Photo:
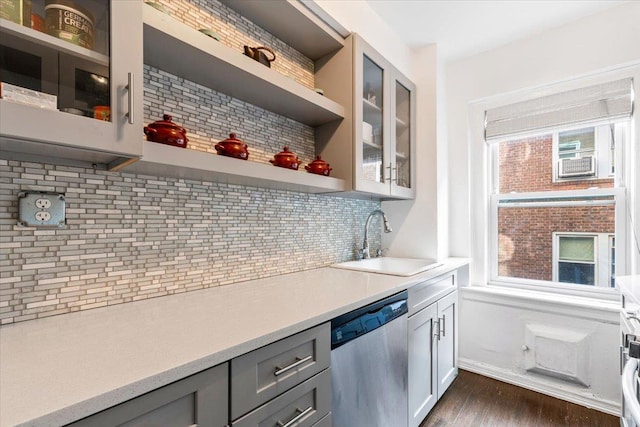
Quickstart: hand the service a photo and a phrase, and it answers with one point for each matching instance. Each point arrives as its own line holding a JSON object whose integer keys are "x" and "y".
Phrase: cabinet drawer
{"x": 426, "y": 293}
{"x": 325, "y": 422}
{"x": 265, "y": 373}
{"x": 302, "y": 406}
{"x": 200, "y": 399}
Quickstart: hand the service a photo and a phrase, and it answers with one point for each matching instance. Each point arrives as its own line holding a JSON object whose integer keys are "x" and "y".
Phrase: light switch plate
{"x": 41, "y": 209}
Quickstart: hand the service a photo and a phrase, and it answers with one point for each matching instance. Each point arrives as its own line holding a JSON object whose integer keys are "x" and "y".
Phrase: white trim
{"x": 549, "y": 388}
{"x": 575, "y": 306}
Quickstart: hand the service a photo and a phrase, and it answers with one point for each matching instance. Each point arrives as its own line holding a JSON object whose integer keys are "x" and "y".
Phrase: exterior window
{"x": 584, "y": 259}
{"x": 584, "y": 153}
{"x": 612, "y": 265}
{"x": 549, "y": 232}
{"x": 576, "y": 143}
{"x": 576, "y": 260}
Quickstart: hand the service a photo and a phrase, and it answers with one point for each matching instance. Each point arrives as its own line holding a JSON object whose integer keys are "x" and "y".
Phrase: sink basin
{"x": 389, "y": 265}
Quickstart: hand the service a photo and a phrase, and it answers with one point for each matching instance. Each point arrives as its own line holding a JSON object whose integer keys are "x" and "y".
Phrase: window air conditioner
{"x": 584, "y": 166}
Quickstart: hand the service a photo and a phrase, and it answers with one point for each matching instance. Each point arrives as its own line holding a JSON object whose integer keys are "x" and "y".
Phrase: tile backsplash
{"x": 132, "y": 237}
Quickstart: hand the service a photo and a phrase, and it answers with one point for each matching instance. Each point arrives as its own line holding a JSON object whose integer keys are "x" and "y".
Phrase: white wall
{"x": 420, "y": 225}
{"x": 493, "y": 327}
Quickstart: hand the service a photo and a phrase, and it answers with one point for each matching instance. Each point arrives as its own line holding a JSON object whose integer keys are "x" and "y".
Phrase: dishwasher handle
{"x": 366, "y": 319}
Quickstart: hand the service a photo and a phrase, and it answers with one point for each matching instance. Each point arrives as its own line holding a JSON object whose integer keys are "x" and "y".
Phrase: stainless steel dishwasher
{"x": 369, "y": 365}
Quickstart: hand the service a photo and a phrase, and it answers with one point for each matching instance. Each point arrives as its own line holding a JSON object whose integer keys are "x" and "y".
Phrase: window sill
{"x": 577, "y": 306}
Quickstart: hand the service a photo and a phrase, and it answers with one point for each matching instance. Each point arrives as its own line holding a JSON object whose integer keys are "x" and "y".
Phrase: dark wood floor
{"x": 474, "y": 400}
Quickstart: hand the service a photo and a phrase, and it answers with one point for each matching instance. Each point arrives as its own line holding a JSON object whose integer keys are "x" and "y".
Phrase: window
{"x": 584, "y": 259}
{"x": 576, "y": 260}
{"x": 584, "y": 153}
{"x": 556, "y": 203}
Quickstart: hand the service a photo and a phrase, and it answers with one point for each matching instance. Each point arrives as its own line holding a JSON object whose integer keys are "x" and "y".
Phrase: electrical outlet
{"x": 43, "y": 216}
{"x": 43, "y": 203}
{"x": 41, "y": 209}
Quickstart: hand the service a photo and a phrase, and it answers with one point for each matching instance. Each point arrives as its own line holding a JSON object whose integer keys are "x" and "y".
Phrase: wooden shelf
{"x": 183, "y": 51}
{"x": 287, "y": 20}
{"x": 166, "y": 160}
{"x": 45, "y": 40}
{"x": 401, "y": 124}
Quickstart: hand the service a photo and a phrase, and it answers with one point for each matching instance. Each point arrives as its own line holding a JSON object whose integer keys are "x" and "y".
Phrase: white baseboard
{"x": 541, "y": 386}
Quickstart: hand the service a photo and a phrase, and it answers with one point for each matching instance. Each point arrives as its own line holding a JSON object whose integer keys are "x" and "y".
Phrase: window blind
{"x": 599, "y": 103}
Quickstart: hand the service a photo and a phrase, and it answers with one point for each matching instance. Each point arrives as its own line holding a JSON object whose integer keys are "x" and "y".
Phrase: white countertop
{"x": 59, "y": 369}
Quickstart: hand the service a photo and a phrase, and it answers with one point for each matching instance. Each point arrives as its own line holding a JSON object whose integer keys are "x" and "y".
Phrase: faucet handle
{"x": 380, "y": 251}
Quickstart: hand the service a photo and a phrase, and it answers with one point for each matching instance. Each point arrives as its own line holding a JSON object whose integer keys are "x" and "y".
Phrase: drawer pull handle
{"x": 298, "y": 362}
{"x": 297, "y": 417}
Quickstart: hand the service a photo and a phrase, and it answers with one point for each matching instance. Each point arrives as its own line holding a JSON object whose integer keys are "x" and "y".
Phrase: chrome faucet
{"x": 387, "y": 229}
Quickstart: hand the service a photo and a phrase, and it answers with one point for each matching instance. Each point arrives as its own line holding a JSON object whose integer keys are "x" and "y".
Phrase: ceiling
{"x": 463, "y": 28}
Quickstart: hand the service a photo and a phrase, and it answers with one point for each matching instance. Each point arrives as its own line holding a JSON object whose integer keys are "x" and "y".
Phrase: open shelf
{"x": 287, "y": 20}
{"x": 185, "y": 52}
{"x": 50, "y": 42}
{"x": 166, "y": 160}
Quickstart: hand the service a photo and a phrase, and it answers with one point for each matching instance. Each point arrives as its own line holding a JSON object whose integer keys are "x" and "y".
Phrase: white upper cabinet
{"x": 72, "y": 81}
{"x": 376, "y": 140}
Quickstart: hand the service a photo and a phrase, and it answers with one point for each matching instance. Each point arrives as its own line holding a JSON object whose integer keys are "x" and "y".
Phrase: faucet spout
{"x": 387, "y": 229}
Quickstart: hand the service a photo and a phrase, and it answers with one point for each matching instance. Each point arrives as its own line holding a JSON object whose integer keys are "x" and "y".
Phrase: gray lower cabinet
{"x": 302, "y": 406}
{"x": 423, "y": 366}
{"x": 200, "y": 400}
{"x": 447, "y": 342}
{"x": 433, "y": 342}
{"x": 269, "y": 371}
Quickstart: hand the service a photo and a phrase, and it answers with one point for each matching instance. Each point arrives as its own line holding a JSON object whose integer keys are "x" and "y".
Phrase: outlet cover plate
{"x": 41, "y": 209}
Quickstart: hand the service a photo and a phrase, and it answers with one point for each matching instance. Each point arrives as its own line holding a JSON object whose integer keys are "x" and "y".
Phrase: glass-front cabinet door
{"x": 372, "y": 118}
{"x": 384, "y": 122}
{"x": 71, "y": 73}
{"x": 403, "y": 153}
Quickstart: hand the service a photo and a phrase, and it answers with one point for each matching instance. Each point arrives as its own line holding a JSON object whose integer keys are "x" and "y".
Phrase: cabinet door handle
{"x": 296, "y": 418}
{"x": 394, "y": 179}
{"x": 436, "y": 326}
{"x": 384, "y": 175}
{"x": 443, "y": 323}
{"x": 298, "y": 362}
{"x": 129, "y": 88}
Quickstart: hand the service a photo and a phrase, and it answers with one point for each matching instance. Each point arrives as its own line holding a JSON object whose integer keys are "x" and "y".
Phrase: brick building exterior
{"x": 525, "y": 235}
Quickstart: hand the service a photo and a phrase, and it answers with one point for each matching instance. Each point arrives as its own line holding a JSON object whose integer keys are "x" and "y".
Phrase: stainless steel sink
{"x": 389, "y": 265}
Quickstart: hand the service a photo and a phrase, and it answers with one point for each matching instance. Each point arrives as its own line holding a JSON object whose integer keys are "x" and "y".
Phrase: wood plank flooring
{"x": 475, "y": 400}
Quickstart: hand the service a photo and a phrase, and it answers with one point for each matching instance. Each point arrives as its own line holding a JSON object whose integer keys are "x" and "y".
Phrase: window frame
{"x": 477, "y": 206}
